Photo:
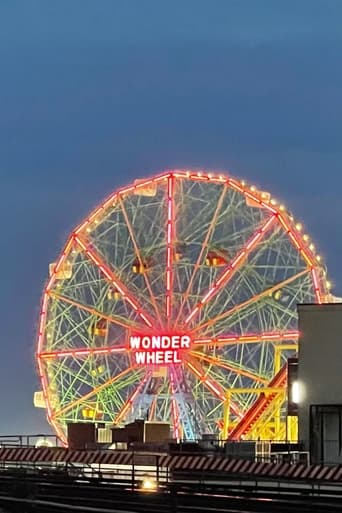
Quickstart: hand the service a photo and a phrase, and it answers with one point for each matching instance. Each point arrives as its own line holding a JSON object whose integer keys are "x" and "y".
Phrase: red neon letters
{"x": 158, "y": 349}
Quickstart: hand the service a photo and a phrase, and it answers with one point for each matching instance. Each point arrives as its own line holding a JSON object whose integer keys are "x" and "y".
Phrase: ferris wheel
{"x": 176, "y": 300}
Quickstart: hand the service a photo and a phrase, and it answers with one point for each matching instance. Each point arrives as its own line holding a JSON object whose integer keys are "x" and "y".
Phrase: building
{"x": 141, "y": 431}
{"x": 319, "y": 386}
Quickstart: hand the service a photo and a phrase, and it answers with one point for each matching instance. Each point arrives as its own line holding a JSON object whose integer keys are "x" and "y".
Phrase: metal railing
{"x": 29, "y": 440}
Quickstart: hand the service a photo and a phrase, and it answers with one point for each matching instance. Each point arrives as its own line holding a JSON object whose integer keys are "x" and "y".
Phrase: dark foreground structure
{"x": 61, "y": 480}
{"x": 41, "y": 492}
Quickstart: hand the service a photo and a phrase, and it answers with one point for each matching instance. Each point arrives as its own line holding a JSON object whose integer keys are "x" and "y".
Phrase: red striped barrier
{"x": 187, "y": 463}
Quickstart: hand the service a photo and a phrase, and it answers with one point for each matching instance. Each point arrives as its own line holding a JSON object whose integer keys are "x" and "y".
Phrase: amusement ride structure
{"x": 176, "y": 300}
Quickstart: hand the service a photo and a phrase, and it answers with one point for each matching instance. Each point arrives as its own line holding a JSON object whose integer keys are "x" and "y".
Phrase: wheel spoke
{"x": 219, "y": 362}
{"x": 201, "y": 253}
{"x": 93, "y": 392}
{"x": 82, "y": 352}
{"x": 317, "y": 289}
{"x": 248, "y": 338}
{"x": 138, "y": 254}
{"x": 130, "y": 401}
{"x": 174, "y": 406}
{"x": 250, "y": 301}
{"x": 305, "y": 252}
{"x": 115, "y": 319}
{"x": 50, "y": 413}
{"x": 170, "y": 238}
{"x": 232, "y": 267}
{"x": 114, "y": 280}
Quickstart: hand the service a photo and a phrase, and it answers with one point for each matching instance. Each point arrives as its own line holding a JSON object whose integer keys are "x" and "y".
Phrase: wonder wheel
{"x": 176, "y": 300}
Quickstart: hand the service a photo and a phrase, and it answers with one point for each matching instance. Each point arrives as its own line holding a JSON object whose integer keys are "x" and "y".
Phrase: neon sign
{"x": 158, "y": 349}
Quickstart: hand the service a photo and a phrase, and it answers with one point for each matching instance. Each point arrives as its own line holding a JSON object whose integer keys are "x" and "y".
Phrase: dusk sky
{"x": 94, "y": 94}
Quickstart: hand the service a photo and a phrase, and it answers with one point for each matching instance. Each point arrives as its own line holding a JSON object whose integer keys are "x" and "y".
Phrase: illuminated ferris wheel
{"x": 175, "y": 300}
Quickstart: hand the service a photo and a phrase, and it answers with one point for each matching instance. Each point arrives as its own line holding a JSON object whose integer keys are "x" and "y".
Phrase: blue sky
{"x": 96, "y": 93}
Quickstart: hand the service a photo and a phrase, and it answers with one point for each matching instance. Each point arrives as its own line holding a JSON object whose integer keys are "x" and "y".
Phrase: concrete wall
{"x": 320, "y": 362}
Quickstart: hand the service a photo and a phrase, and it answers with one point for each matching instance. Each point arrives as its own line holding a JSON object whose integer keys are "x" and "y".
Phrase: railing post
{"x": 157, "y": 469}
{"x": 133, "y": 471}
